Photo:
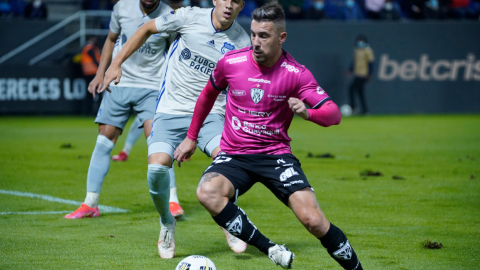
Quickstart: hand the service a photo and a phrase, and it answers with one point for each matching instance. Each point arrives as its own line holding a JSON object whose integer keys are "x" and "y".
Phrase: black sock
{"x": 234, "y": 220}
{"x": 340, "y": 249}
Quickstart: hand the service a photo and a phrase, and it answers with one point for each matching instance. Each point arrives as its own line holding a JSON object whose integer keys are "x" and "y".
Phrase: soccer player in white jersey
{"x": 204, "y": 35}
{"x": 266, "y": 88}
{"x": 138, "y": 90}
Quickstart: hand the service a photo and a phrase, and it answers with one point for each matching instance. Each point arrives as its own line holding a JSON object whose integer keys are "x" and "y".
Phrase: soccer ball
{"x": 196, "y": 262}
{"x": 346, "y": 110}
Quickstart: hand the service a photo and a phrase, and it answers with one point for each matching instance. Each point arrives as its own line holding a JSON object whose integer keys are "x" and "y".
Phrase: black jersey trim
{"x": 241, "y": 50}
{"x": 215, "y": 86}
{"x": 295, "y": 63}
{"x": 321, "y": 103}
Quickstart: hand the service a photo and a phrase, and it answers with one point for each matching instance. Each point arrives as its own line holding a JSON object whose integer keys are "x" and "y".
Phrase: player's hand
{"x": 114, "y": 73}
{"x": 298, "y": 107}
{"x": 95, "y": 84}
{"x": 184, "y": 151}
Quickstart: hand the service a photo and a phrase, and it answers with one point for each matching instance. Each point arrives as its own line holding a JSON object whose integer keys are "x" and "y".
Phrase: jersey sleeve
{"x": 174, "y": 20}
{"x": 114, "y": 20}
{"x": 310, "y": 92}
{"x": 218, "y": 78}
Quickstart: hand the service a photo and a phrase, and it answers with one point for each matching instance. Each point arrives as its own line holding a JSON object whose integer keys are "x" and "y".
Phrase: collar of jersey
{"x": 211, "y": 21}
{"x": 145, "y": 15}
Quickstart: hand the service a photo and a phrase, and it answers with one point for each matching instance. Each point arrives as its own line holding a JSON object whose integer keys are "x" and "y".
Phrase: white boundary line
{"x": 103, "y": 208}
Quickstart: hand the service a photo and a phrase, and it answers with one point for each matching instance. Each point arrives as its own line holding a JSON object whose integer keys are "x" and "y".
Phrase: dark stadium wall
{"x": 420, "y": 67}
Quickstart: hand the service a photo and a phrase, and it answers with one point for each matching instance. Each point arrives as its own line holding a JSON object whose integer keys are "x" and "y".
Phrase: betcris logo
{"x": 426, "y": 69}
{"x": 196, "y": 62}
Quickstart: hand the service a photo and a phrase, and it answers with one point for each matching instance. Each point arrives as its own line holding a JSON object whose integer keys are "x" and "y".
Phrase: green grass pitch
{"x": 386, "y": 220}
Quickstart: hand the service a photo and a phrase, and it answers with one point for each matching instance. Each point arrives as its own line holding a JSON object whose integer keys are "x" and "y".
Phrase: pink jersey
{"x": 257, "y": 115}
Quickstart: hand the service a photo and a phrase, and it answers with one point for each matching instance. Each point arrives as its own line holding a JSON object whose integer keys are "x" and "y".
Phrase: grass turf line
{"x": 386, "y": 220}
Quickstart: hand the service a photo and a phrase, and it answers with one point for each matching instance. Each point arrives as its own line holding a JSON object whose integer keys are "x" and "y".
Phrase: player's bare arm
{"x": 114, "y": 72}
{"x": 106, "y": 57}
{"x": 298, "y": 107}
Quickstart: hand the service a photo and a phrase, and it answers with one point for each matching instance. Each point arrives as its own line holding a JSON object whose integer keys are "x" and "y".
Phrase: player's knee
{"x": 155, "y": 176}
{"x": 160, "y": 159}
{"x": 208, "y": 193}
{"x": 315, "y": 224}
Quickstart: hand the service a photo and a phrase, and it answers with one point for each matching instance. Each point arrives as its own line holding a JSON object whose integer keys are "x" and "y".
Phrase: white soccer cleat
{"x": 166, "y": 241}
{"x": 280, "y": 255}
{"x": 237, "y": 245}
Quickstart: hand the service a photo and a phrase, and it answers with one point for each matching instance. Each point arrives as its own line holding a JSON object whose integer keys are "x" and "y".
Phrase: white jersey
{"x": 143, "y": 69}
{"x": 193, "y": 56}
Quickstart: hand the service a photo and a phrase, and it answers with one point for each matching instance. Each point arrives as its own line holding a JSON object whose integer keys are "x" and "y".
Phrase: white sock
{"x": 127, "y": 148}
{"x": 173, "y": 195}
{"x": 92, "y": 199}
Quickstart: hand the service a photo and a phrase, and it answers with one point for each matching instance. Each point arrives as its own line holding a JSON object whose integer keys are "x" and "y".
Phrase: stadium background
{"x": 423, "y": 136}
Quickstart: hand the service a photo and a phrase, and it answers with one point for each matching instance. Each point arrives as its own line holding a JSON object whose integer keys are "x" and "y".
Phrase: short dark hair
{"x": 271, "y": 12}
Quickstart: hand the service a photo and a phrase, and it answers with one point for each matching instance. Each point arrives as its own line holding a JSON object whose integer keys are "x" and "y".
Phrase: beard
{"x": 147, "y": 6}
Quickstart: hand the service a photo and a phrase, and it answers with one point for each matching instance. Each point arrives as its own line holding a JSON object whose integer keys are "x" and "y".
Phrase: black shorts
{"x": 281, "y": 174}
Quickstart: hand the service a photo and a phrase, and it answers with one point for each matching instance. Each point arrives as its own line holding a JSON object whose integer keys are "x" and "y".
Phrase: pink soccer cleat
{"x": 176, "y": 210}
{"x": 83, "y": 212}
{"x": 122, "y": 156}
{"x": 237, "y": 245}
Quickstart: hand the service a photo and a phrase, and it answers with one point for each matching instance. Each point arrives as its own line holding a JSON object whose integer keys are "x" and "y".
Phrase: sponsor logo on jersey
{"x": 290, "y": 68}
{"x": 173, "y": 11}
{"x": 320, "y": 91}
{"x": 165, "y": 17}
{"x": 238, "y": 93}
{"x": 256, "y": 94}
{"x": 221, "y": 159}
{"x": 344, "y": 253}
{"x": 277, "y": 97}
{"x": 293, "y": 183}
{"x": 227, "y": 47}
{"x": 236, "y": 124}
{"x": 280, "y": 160}
{"x": 259, "y": 80}
{"x": 255, "y": 113}
{"x": 147, "y": 49}
{"x": 197, "y": 63}
{"x": 236, "y": 59}
{"x": 124, "y": 39}
{"x": 211, "y": 43}
{"x": 185, "y": 54}
{"x": 235, "y": 227}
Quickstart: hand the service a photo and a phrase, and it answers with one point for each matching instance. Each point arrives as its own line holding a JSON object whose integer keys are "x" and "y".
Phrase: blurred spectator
{"x": 459, "y": 9}
{"x": 90, "y": 62}
{"x": 351, "y": 11}
{"x": 373, "y": 8}
{"x": 36, "y": 10}
{"x": 362, "y": 69}
{"x": 390, "y": 11}
{"x": 5, "y": 8}
{"x": 18, "y": 7}
{"x": 316, "y": 11}
{"x": 434, "y": 9}
{"x": 200, "y": 3}
{"x": 413, "y": 8}
{"x": 293, "y": 9}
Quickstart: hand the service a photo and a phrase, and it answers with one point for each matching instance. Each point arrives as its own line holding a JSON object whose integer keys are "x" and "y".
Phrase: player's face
{"x": 267, "y": 42}
{"x": 149, "y": 4}
{"x": 226, "y": 11}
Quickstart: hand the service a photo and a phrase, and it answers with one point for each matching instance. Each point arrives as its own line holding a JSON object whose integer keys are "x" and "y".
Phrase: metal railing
{"x": 80, "y": 34}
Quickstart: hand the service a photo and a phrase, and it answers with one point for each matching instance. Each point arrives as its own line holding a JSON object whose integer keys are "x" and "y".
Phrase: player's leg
{"x": 134, "y": 132}
{"x": 168, "y": 131}
{"x": 361, "y": 94}
{"x": 305, "y": 206}
{"x": 112, "y": 117}
{"x": 351, "y": 94}
{"x": 209, "y": 143}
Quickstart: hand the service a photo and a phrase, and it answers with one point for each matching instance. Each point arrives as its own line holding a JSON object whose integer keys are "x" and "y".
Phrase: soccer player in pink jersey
{"x": 267, "y": 87}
